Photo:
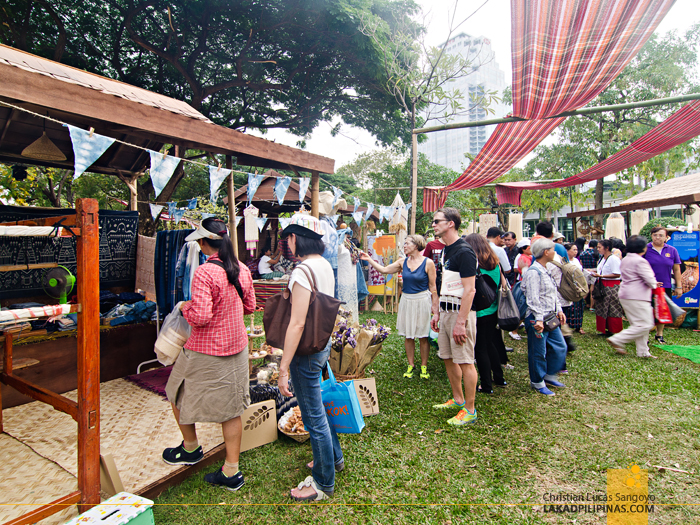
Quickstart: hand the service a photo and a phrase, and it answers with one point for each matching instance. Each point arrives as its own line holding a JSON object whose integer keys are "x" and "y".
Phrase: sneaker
{"x": 463, "y": 418}
{"x": 565, "y": 371}
{"x": 552, "y": 382}
{"x": 544, "y": 390}
{"x": 179, "y": 456}
{"x": 660, "y": 340}
{"x": 515, "y": 335}
{"x": 232, "y": 483}
{"x": 451, "y": 403}
{"x": 409, "y": 372}
{"x": 424, "y": 372}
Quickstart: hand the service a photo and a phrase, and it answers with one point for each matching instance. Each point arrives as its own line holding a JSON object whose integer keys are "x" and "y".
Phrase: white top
{"x": 608, "y": 266}
{"x": 576, "y": 263}
{"x": 322, "y": 272}
{"x": 502, "y": 257}
{"x": 264, "y": 266}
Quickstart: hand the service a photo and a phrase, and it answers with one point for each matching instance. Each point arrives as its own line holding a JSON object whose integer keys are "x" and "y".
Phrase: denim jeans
{"x": 542, "y": 361}
{"x": 305, "y": 372}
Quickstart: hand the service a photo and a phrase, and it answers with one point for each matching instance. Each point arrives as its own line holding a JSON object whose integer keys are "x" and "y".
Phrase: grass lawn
{"x": 410, "y": 466}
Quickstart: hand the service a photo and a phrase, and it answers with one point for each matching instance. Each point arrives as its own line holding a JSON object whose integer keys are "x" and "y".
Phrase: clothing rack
{"x": 86, "y": 411}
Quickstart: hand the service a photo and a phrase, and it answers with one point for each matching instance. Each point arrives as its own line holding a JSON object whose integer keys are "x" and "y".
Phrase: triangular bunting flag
{"x": 408, "y": 206}
{"x": 334, "y": 219}
{"x": 192, "y": 204}
{"x": 178, "y": 214}
{"x": 207, "y": 215}
{"x": 162, "y": 168}
{"x": 87, "y": 148}
{"x": 358, "y": 217}
{"x": 216, "y": 177}
{"x": 253, "y": 184}
{"x": 284, "y": 222}
{"x": 357, "y": 205}
{"x": 172, "y": 206}
{"x": 384, "y": 213}
{"x": 303, "y": 186}
{"x": 238, "y": 219}
{"x": 281, "y": 187}
{"x": 155, "y": 210}
{"x": 370, "y": 210}
{"x": 261, "y": 222}
{"x": 337, "y": 192}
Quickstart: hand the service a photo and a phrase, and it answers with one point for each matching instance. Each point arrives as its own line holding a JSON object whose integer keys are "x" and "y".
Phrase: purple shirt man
{"x": 662, "y": 263}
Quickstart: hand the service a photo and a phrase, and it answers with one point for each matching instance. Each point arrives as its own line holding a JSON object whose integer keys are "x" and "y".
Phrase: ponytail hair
{"x": 225, "y": 249}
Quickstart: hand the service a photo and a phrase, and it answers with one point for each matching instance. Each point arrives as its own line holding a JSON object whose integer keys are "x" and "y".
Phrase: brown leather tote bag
{"x": 320, "y": 318}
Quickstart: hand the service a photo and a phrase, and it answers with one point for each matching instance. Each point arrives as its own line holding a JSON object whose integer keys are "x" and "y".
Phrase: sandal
{"x": 338, "y": 466}
{"x": 309, "y": 482}
{"x": 660, "y": 339}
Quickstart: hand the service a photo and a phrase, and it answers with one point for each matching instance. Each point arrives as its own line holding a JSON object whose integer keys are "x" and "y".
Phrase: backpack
{"x": 573, "y": 285}
{"x": 520, "y": 299}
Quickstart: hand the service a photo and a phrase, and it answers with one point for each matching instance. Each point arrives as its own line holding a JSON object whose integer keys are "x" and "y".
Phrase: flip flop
{"x": 309, "y": 482}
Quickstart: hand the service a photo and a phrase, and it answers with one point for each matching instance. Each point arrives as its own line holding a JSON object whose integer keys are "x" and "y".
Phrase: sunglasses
{"x": 435, "y": 221}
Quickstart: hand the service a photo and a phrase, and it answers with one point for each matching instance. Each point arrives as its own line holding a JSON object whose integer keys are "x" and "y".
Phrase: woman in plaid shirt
{"x": 209, "y": 381}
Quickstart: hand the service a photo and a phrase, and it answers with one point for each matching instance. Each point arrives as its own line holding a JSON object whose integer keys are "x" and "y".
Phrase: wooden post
{"x": 88, "y": 278}
{"x": 314, "y": 193}
{"x": 232, "y": 208}
{"x": 414, "y": 179}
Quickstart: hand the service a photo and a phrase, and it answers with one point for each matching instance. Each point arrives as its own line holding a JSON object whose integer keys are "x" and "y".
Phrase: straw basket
{"x": 301, "y": 438}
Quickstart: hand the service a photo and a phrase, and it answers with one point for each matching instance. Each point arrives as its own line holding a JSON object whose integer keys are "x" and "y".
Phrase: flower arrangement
{"x": 343, "y": 335}
{"x": 379, "y": 332}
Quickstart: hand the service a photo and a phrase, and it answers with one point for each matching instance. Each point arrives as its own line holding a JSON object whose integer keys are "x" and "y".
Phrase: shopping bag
{"x": 662, "y": 313}
{"x": 342, "y": 405}
{"x": 508, "y": 313}
{"x": 172, "y": 337}
{"x": 676, "y": 311}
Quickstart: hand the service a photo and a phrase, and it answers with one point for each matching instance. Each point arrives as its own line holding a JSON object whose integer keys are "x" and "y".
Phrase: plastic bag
{"x": 662, "y": 313}
{"x": 172, "y": 337}
{"x": 342, "y": 405}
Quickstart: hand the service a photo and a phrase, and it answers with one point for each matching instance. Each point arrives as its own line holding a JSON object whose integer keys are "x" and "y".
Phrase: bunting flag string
{"x": 192, "y": 204}
{"x": 162, "y": 169}
{"x": 155, "y": 210}
{"x": 303, "y": 187}
{"x": 207, "y": 215}
{"x": 238, "y": 219}
{"x": 334, "y": 218}
{"x": 370, "y": 210}
{"x": 385, "y": 212}
{"x": 217, "y": 174}
{"x": 357, "y": 215}
{"x": 281, "y": 187}
{"x": 253, "y": 184}
{"x": 337, "y": 192}
{"x": 357, "y": 204}
{"x": 261, "y": 222}
{"x": 284, "y": 221}
{"x": 172, "y": 206}
{"x": 178, "y": 214}
{"x": 88, "y": 146}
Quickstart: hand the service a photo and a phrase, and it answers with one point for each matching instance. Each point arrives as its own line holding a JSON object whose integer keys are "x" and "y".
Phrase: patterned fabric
{"x": 540, "y": 291}
{"x": 589, "y": 258}
{"x": 433, "y": 198}
{"x": 677, "y": 129}
{"x": 216, "y": 311}
{"x": 574, "y": 315}
{"x": 610, "y": 305}
{"x": 266, "y": 289}
{"x": 564, "y": 55}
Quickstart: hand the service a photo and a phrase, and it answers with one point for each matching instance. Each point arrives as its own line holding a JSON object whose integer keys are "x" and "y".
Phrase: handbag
{"x": 485, "y": 292}
{"x": 662, "y": 313}
{"x": 598, "y": 291}
{"x": 508, "y": 313}
{"x": 342, "y": 405}
{"x": 551, "y": 322}
{"x": 320, "y": 318}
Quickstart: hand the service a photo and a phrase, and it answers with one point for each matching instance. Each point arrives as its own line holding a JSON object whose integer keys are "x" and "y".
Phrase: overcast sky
{"x": 491, "y": 20}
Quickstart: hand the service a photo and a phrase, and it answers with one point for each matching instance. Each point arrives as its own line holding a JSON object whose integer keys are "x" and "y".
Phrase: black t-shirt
{"x": 459, "y": 257}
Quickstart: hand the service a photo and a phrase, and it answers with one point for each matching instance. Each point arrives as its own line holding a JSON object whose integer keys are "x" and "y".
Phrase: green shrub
{"x": 663, "y": 221}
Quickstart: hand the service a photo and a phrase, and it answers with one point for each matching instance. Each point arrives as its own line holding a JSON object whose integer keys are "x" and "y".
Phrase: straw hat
{"x": 43, "y": 149}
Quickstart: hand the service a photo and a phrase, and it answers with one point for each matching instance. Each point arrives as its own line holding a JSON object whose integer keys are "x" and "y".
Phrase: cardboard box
{"x": 118, "y": 510}
{"x": 367, "y": 394}
{"x": 259, "y": 425}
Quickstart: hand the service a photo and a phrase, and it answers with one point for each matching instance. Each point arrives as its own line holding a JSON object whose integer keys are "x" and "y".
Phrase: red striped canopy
{"x": 680, "y": 127}
{"x": 564, "y": 54}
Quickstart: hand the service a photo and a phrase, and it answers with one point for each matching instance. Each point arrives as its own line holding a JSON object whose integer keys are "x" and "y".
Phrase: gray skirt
{"x": 207, "y": 388}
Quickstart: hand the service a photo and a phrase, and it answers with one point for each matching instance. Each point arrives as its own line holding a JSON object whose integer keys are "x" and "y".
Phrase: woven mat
{"x": 26, "y": 477}
{"x": 136, "y": 425}
{"x": 689, "y": 352}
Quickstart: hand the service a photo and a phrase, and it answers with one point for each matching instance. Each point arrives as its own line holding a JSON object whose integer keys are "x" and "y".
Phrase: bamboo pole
{"x": 232, "y": 207}
{"x": 314, "y": 193}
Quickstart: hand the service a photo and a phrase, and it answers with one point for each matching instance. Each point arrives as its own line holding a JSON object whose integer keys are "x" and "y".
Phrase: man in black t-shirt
{"x": 457, "y": 322}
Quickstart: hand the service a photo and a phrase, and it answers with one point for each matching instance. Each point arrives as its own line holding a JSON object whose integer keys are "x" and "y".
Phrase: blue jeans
{"x": 541, "y": 362}
{"x": 305, "y": 371}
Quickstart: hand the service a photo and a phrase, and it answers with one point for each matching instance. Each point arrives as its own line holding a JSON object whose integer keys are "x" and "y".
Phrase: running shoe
{"x": 463, "y": 418}
{"x": 424, "y": 372}
{"x": 451, "y": 403}
{"x": 409, "y": 372}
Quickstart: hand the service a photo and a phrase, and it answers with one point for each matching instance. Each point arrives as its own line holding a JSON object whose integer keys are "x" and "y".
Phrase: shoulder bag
{"x": 508, "y": 313}
{"x": 320, "y": 318}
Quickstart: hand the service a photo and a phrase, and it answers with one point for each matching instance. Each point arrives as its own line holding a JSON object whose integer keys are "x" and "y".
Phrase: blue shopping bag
{"x": 342, "y": 406}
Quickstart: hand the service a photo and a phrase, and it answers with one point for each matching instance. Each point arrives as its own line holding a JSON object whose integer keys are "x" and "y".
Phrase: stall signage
{"x": 688, "y": 246}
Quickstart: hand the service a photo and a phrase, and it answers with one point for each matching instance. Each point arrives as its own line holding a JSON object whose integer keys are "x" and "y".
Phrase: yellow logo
{"x": 628, "y": 496}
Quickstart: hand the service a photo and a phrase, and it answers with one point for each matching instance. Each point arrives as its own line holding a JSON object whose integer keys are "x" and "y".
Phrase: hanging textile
{"x": 357, "y": 204}
{"x": 87, "y": 148}
{"x": 347, "y": 281}
{"x": 370, "y": 210}
{"x": 178, "y": 214}
{"x": 434, "y": 198}
{"x": 251, "y": 231}
{"x": 330, "y": 240}
{"x": 162, "y": 169}
{"x": 615, "y": 227}
{"x": 638, "y": 219}
{"x": 564, "y": 55}
{"x": 145, "y": 263}
{"x": 303, "y": 186}
{"x": 192, "y": 204}
{"x": 155, "y": 210}
{"x": 188, "y": 261}
{"x": 253, "y": 184}
{"x": 680, "y": 127}
{"x": 515, "y": 224}
{"x": 168, "y": 246}
{"x": 281, "y": 187}
{"x": 486, "y": 221}
{"x": 217, "y": 174}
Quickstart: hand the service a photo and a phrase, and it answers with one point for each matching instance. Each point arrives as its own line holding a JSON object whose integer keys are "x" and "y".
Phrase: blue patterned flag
{"x": 408, "y": 206}
{"x": 207, "y": 215}
{"x": 370, "y": 210}
{"x": 334, "y": 219}
{"x": 217, "y": 175}
{"x": 385, "y": 213}
{"x": 261, "y": 222}
{"x": 357, "y": 205}
{"x": 337, "y": 192}
{"x": 178, "y": 214}
{"x": 284, "y": 222}
{"x": 87, "y": 148}
{"x": 303, "y": 186}
{"x": 358, "y": 217}
{"x": 281, "y": 187}
{"x": 162, "y": 168}
{"x": 253, "y": 184}
{"x": 172, "y": 206}
{"x": 192, "y": 204}
{"x": 155, "y": 210}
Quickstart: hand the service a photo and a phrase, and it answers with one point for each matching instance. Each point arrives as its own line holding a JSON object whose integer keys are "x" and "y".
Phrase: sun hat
{"x": 557, "y": 235}
{"x": 305, "y": 226}
{"x": 523, "y": 242}
{"x": 203, "y": 233}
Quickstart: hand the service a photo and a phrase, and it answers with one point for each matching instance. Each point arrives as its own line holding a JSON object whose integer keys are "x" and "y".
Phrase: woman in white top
{"x": 574, "y": 315}
{"x": 305, "y": 235}
{"x": 608, "y": 311}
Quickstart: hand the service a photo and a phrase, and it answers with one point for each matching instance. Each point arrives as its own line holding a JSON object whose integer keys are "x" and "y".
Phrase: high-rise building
{"x": 448, "y": 148}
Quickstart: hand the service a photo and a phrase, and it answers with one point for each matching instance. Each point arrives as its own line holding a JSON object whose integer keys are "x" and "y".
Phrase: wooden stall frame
{"x": 86, "y": 411}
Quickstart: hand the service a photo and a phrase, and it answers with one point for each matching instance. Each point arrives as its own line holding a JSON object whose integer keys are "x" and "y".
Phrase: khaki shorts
{"x": 460, "y": 354}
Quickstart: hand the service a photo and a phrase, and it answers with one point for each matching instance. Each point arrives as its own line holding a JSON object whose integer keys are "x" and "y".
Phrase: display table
{"x": 264, "y": 289}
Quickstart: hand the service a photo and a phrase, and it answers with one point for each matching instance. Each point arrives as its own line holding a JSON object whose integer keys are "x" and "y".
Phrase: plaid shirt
{"x": 216, "y": 311}
{"x": 589, "y": 258}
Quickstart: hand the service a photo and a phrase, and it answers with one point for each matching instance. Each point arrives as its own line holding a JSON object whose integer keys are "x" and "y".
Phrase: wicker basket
{"x": 304, "y": 436}
{"x": 343, "y": 377}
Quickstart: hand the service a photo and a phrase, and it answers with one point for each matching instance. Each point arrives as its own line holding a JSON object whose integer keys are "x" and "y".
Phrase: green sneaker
{"x": 463, "y": 418}
{"x": 409, "y": 372}
{"x": 451, "y": 403}
{"x": 424, "y": 372}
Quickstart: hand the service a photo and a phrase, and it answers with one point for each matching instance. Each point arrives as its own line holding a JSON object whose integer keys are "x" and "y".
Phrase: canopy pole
{"x": 314, "y": 193}
{"x": 233, "y": 235}
{"x": 414, "y": 181}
